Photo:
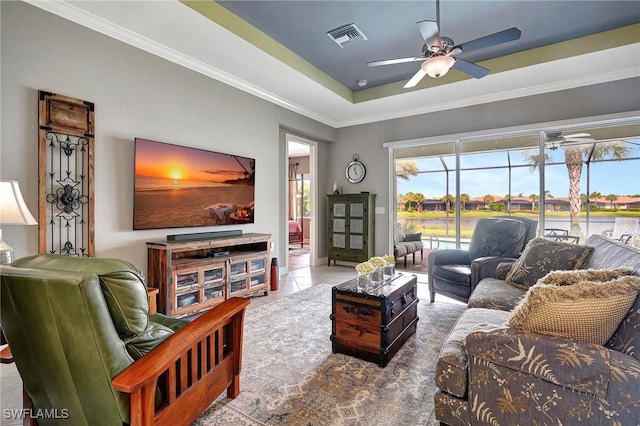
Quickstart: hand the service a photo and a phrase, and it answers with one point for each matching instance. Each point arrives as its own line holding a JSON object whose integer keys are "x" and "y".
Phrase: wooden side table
{"x": 152, "y": 294}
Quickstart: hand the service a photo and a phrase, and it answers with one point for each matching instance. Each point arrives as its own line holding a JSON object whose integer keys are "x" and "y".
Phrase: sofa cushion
{"x": 402, "y": 249}
{"x": 589, "y": 311}
{"x": 609, "y": 253}
{"x": 458, "y": 274}
{"x": 626, "y": 338}
{"x": 502, "y": 270}
{"x": 542, "y": 256}
{"x": 497, "y": 237}
{"x": 398, "y": 233}
{"x": 492, "y": 293}
{"x": 451, "y": 368}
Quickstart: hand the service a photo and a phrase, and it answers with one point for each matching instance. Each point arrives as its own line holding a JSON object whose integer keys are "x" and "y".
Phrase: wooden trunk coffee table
{"x": 374, "y": 325}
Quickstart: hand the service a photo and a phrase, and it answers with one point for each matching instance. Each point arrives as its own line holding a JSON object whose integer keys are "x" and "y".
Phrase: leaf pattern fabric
{"x": 516, "y": 377}
{"x": 542, "y": 256}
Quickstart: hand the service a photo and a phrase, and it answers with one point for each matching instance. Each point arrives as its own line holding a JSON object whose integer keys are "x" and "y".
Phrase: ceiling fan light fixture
{"x": 437, "y": 66}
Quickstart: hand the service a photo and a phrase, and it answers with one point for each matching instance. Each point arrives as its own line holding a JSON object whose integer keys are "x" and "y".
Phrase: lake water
{"x": 600, "y": 225}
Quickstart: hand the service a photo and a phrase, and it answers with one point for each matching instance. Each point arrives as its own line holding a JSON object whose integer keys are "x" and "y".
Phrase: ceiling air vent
{"x": 346, "y": 34}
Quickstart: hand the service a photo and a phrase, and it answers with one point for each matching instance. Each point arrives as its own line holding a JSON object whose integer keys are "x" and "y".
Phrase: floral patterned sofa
{"x": 490, "y": 372}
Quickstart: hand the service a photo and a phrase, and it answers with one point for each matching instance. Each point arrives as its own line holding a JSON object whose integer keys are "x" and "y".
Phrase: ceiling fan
{"x": 438, "y": 52}
{"x": 556, "y": 139}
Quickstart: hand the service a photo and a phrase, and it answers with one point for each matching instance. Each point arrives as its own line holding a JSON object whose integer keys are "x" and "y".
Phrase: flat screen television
{"x": 177, "y": 186}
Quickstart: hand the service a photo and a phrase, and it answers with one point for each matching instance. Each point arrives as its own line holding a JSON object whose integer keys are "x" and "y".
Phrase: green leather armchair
{"x": 86, "y": 346}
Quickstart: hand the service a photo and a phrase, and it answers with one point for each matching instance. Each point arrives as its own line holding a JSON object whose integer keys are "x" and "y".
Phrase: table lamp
{"x": 13, "y": 211}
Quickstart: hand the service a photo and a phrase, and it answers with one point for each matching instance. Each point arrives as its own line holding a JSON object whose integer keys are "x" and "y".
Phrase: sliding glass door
{"x": 426, "y": 179}
{"x": 575, "y": 181}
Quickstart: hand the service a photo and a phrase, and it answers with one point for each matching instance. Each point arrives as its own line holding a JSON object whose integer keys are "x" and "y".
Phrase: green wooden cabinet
{"x": 351, "y": 227}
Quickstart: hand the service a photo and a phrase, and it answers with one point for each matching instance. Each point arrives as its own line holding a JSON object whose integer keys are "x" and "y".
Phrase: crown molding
{"x": 494, "y": 85}
{"x": 82, "y": 17}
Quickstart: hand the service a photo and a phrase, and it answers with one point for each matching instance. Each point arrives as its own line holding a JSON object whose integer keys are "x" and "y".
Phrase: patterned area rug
{"x": 291, "y": 377}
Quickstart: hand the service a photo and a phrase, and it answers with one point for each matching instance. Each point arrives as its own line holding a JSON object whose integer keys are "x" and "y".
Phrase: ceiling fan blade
{"x": 473, "y": 70}
{"x": 430, "y": 33}
{"x": 505, "y": 36}
{"x": 415, "y": 79}
{"x": 395, "y": 61}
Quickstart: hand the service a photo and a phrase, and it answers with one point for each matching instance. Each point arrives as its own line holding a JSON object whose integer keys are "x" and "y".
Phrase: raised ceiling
{"x": 391, "y": 31}
{"x": 314, "y": 77}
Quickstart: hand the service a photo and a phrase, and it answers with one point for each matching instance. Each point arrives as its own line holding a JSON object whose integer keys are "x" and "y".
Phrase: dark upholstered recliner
{"x": 455, "y": 273}
{"x": 87, "y": 348}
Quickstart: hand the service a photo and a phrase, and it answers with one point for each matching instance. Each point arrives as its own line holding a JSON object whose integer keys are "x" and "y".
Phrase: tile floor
{"x": 299, "y": 278}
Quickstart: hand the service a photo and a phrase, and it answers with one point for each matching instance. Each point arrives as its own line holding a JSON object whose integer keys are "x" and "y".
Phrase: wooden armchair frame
{"x": 192, "y": 367}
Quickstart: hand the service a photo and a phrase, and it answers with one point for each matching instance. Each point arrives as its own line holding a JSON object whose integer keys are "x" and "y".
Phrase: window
{"x": 590, "y": 180}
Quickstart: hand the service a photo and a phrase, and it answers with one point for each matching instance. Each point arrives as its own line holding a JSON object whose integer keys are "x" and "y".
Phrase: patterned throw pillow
{"x": 589, "y": 311}
{"x": 626, "y": 339}
{"x": 542, "y": 256}
{"x": 413, "y": 237}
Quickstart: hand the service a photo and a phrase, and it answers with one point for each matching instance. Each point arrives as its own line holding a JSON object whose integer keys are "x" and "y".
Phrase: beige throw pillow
{"x": 589, "y": 311}
{"x": 580, "y": 275}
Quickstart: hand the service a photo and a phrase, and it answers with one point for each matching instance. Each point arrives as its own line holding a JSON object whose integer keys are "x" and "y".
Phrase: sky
{"x": 157, "y": 159}
{"x": 619, "y": 177}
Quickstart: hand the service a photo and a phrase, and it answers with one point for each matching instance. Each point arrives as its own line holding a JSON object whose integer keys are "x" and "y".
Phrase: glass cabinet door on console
{"x": 213, "y": 283}
{"x": 247, "y": 272}
{"x": 196, "y": 288}
{"x": 195, "y": 275}
{"x": 257, "y": 272}
{"x": 351, "y": 227}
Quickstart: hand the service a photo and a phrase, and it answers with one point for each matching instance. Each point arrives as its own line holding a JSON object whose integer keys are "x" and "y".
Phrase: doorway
{"x": 300, "y": 206}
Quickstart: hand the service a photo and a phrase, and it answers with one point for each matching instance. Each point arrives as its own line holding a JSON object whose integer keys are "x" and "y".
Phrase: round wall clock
{"x": 355, "y": 170}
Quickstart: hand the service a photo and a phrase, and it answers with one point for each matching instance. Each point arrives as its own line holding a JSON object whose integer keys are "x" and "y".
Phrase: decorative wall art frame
{"x": 66, "y": 128}
{"x": 177, "y": 186}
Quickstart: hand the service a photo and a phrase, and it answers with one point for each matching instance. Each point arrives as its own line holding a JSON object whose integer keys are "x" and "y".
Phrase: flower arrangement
{"x": 389, "y": 259}
{"x": 365, "y": 268}
{"x": 377, "y": 261}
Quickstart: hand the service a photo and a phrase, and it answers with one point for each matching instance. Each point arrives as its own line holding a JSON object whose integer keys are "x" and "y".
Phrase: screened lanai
{"x": 588, "y": 175}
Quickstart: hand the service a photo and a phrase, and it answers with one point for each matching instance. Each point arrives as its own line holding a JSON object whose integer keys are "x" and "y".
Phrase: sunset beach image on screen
{"x": 178, "y": 186}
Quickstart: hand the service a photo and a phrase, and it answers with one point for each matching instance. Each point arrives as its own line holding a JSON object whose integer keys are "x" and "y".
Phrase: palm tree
{"x": 611, "y": 198}
{"x": 412, "y": 199}
{"x": 464, "y": 199}
{"x": 448, "y": 200}
{"x": 533, "y": 198}
{"x": 406, "y": 168}
{"x": 402, "y": 200}
{"x": 508, "y": 198}
{"x": 488, "y": 199}
{"x": 574, "y": 157}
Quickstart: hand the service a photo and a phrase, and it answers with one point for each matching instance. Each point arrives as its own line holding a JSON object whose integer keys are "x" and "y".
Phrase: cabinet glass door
{"x": 339, "y": 225}
{"x": 186, "y": 280}
{"x": 356, "y": 210}
{"x": 356, "y": 225}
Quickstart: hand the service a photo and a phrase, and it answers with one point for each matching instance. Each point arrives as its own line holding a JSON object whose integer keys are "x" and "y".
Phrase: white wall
{"x": 135, "y": 95}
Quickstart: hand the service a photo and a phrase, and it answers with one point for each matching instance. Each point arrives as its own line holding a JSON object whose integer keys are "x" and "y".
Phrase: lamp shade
{"x": 437, "y": 66}
{"x": 13, "y": 209}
